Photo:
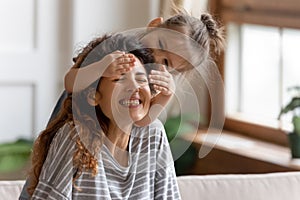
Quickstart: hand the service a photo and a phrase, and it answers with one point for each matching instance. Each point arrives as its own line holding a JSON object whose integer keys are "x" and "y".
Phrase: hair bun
{"x": 210, "y": 24}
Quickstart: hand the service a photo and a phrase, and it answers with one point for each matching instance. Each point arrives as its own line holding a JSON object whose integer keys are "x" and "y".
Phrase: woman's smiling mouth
{"x": 130, "y": 103}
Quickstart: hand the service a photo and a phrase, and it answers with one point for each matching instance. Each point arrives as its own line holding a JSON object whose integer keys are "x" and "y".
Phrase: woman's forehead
{"x": 138, "y": 67}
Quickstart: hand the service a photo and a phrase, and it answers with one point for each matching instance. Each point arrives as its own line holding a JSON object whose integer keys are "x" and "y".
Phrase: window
{"x": 261, "y": 62}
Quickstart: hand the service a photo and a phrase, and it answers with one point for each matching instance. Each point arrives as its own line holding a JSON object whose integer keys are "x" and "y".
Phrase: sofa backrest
{"x": 275, "y": 186}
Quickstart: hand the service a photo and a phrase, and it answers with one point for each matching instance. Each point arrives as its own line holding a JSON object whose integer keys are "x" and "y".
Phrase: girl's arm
{"x": 111, "y": 65}
{"x": 164, "y": 84}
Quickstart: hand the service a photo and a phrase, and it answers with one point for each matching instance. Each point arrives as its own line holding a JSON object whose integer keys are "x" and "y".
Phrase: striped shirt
{"x": 149, "y": 174}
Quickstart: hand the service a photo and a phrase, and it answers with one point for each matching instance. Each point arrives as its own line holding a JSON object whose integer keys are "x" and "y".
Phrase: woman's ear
{"x": 93, "y": 98}
{"x": 155, "y": 22}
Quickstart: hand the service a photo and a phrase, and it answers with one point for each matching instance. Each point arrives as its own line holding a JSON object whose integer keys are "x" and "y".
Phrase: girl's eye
{"x": 165, "y": 62}
{"x": 161, "y": 46}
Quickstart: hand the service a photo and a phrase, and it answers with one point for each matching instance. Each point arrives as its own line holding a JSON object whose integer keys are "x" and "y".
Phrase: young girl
{"x": 92, "y": 150}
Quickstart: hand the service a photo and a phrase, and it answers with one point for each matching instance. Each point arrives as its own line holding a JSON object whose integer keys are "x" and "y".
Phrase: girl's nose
{"x": 159, "y": 59}
{"x": 158, "y": 56}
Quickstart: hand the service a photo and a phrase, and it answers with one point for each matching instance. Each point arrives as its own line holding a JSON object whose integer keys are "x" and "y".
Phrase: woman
{"x": 87, "y": 153}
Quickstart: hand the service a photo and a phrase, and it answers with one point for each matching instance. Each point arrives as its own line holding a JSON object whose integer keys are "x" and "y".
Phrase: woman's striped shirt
{"x": 150, "y": 172}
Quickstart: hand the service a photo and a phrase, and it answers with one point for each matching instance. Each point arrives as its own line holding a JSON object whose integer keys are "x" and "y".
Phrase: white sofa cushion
{"x": 10, "y": 190}
{"x": 275, "y": 186}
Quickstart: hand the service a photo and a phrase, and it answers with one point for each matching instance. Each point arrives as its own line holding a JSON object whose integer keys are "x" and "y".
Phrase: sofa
{"x": 275, "y": 186}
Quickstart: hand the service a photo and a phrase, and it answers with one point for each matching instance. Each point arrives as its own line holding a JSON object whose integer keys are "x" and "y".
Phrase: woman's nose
{"x": 133, "y": 86}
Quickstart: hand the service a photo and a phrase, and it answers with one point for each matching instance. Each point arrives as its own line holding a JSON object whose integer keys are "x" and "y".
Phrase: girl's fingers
{"x": 164, "y": 90}
{"x": 125, "y": 58}
{"x": 159, "y": 88}
{"x": 119, "y": 62}
{"x": 161, "y": 78}
{"x": 117, "y": 54}
{"x": 163, "y": 68}
{"x": 123, "y": 68}
{"x": 164, "y": 83}
{"x": 161, "y": 73}
{"x": 126, "y": 66}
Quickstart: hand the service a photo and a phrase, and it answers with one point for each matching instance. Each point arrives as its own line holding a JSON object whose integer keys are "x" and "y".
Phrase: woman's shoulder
{"x": 65, "y": 134}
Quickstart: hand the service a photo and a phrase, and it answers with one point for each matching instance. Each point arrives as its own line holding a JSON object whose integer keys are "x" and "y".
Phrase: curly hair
{"x": 77, "y": 111}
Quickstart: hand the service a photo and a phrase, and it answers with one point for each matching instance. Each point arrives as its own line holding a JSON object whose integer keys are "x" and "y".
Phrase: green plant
{"x": 14, "y": 155}
{"x": 294, "y": 106}
{"x": 183, "y": 152}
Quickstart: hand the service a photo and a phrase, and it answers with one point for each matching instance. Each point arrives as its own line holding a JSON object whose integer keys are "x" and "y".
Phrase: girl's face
{"x": 125, "y": 99}
{"x": 169, "y": 46}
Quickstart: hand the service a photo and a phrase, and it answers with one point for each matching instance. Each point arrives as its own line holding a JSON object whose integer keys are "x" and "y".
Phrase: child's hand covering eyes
{"x": 162, "y": 81}
{"x": 120, "y": 63}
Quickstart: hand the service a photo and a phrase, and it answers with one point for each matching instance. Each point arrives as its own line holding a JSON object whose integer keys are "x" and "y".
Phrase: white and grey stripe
{"x": 150, "y": 172}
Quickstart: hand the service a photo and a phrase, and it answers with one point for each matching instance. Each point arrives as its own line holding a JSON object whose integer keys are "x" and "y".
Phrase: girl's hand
{"x": 162, "y": 81}
{"x": 118, "y": 63}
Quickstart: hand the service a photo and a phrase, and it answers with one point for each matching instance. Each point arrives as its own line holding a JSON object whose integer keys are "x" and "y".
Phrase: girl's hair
{"x": 77, "y": 111}
{"x": 206, "y": 32}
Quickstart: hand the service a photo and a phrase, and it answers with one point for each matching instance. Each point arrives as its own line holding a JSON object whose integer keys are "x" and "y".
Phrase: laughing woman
{"x": 93, "y": 150}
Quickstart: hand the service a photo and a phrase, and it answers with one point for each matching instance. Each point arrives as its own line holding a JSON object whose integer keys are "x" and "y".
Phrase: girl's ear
{"x": 155, "y": 22}
{"x": 93, "y": 98}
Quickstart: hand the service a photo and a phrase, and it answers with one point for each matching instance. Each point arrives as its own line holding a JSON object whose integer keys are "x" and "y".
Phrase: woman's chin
{"x": 137, "y": 118}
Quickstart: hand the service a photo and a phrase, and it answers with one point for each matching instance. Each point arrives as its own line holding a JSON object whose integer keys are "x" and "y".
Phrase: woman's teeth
{"x": 130, "y": 102}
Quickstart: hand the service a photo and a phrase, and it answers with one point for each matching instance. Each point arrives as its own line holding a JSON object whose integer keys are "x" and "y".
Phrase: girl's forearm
{"x": 78, "y": 79}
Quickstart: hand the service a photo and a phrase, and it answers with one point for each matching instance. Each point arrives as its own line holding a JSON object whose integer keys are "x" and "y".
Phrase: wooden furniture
{"x": 232, "y": 153}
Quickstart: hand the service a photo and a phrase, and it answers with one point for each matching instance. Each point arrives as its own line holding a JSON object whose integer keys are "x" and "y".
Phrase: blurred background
{"x": 259, "y": 67}
{"x": 37, "y": 43}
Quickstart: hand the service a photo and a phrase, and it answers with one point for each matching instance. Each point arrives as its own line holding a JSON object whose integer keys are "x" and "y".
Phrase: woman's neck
{"x": 119, "y": 137}
{"x": 117, "y": 143}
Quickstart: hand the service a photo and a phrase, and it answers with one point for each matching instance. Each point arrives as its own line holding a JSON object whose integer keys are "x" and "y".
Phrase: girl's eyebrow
{"x": 160, "y": 44}
{"x": 140, "y": 73}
